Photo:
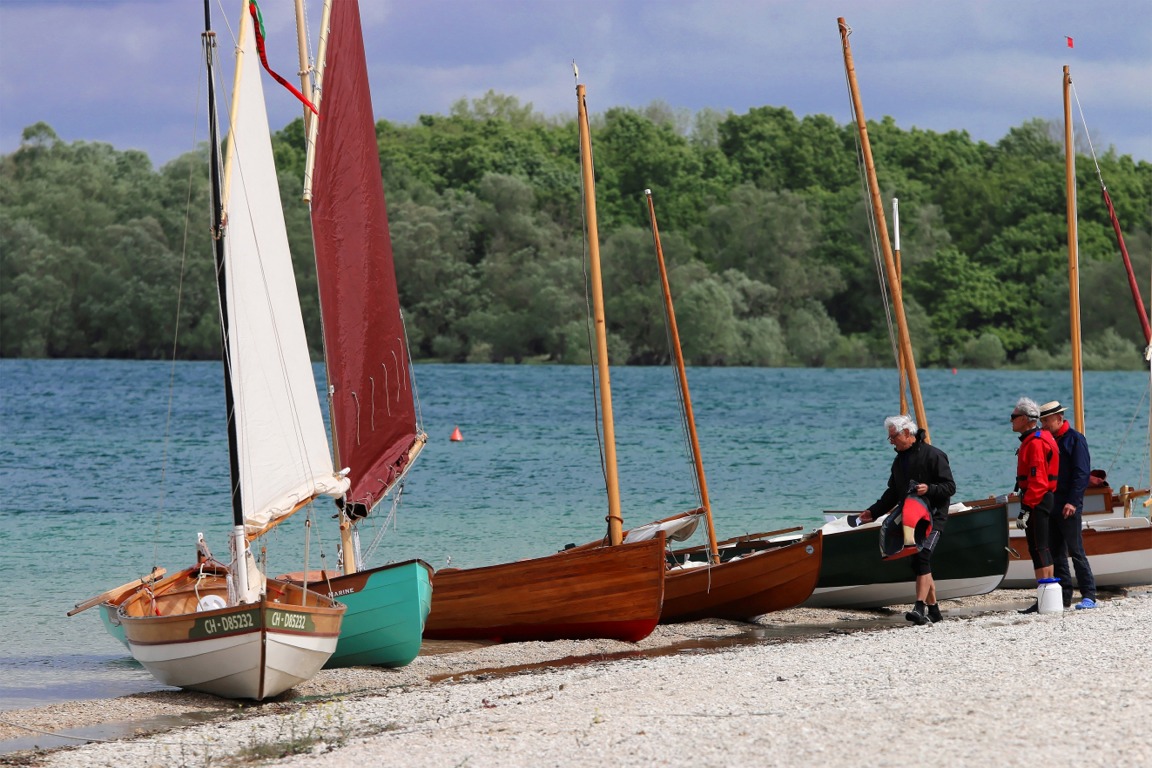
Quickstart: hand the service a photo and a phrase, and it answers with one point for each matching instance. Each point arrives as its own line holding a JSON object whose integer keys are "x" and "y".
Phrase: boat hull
{"x": 1119, "y": 551}
{"x": 109, "y": 616}
{"x": 247, "y": 651}
{"x": 604, "y": 592}
{"x": 775, "y": 578}
{"x": 387, "y": 609}
{"x": 971, "y": 560}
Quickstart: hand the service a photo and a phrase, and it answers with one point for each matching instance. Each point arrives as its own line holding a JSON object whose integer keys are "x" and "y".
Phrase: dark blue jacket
{"x": 1075, "y": 464}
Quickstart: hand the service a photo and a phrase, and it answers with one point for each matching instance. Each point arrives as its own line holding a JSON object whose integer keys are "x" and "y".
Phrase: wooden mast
{"x": 348, "y": 550}
{"x": 305, "y": 68}
{"x": 1073, "y": 256}
{"x": 705, "y": 504}
{"x": 615, "y": 520}
{"x": 905, "y": 342}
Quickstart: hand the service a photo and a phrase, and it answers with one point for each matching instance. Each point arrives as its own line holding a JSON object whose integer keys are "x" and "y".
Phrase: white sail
{"x": 283, "y": 447}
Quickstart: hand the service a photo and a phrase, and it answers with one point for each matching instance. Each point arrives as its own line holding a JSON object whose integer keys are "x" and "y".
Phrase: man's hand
{"x": 865, "y": 516}
{"x": 1069, "y": 510}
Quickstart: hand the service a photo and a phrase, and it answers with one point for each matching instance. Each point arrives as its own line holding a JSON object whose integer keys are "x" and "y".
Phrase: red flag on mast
{"x": 1069, "y": 41}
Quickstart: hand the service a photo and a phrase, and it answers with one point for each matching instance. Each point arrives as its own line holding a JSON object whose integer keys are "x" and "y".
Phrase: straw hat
{"x": 1048, "y": 409}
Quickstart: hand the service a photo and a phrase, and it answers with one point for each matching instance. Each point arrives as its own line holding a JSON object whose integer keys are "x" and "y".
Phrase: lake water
{"x": 109, "y": 467}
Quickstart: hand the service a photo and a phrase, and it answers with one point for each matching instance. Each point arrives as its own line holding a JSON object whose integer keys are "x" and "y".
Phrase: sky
{"x": 128, "y": 72}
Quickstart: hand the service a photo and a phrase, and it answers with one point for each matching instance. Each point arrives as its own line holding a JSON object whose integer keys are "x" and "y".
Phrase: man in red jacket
{"x": 1037, "y": 467}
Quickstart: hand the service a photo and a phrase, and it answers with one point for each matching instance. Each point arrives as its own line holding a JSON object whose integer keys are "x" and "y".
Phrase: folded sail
{"x": 373, "y": 410}
{"x": 283, "y": 448}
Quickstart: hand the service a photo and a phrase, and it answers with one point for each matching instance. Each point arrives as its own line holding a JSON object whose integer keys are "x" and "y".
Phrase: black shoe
{"x": 1035, "y": 607}
{"x": 934, "y": 613}
{"x": 917, "y": 617}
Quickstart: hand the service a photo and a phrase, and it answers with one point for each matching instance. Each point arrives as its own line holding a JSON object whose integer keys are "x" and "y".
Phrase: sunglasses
{"x": 1016, "y": 416}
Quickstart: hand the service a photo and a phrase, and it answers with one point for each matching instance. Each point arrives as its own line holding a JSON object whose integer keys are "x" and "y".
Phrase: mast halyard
{"x": 894, "y": 288}
{"x": 689, "y": 417}
{"x": 615, "y": 519}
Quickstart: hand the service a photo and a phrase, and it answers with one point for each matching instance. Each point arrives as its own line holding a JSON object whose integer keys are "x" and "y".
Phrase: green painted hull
{"x": 972, "y": 558}
{"x": 108, "y": 613}
{"x": 387, "y": 608}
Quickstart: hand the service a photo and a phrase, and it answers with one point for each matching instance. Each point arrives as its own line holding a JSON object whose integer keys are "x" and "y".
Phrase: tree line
{"x": 763, "y": 219}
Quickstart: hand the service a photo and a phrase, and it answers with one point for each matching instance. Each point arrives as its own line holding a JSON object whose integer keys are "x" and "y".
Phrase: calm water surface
{"x": 109, "y": 467}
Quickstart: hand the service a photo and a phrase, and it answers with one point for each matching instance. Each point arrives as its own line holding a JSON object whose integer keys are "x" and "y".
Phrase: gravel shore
{"x": 987, "y": 686}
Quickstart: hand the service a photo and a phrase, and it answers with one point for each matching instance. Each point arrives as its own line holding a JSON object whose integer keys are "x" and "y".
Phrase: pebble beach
{"x": 987, "y": 686}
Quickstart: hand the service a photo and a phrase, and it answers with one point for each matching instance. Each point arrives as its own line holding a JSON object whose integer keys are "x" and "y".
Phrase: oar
{"x": 116, "y": 592}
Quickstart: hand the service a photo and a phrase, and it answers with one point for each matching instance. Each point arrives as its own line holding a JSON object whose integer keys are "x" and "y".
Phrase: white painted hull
{"x": 1117, "y": 558}
{"x": 879, "y": 595}
{"x": 255, "y": 665}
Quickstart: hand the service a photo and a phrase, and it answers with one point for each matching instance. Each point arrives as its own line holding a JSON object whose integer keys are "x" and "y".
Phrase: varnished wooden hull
{"x": 605, "y": 592}
{"x": 248, "y": 651}
{"x": 758, "y": 582}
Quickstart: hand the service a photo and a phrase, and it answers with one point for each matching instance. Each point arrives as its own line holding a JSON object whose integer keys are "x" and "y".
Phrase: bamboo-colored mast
{"x": 316, "y": 95}
{"x": 229, "y": 147}
{"x": 670, "y": 313}
{"x": 905, "y": 342}
{"x": 1073, "y": 256}
{"x": 305, "y": 69}
{"x": 901, "y": 367}
{"x": 615, "y": 520}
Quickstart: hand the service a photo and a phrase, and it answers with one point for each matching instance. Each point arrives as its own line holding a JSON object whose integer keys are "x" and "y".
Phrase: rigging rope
{"x": 873, "y": 232}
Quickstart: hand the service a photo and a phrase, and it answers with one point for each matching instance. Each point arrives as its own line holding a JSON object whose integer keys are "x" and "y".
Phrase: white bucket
{"x": 1049, "y": 596}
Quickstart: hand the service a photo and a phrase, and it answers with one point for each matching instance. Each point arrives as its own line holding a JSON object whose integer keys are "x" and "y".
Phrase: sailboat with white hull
{"x": 221, "y": 628}
{"x": 1118, "y": 544}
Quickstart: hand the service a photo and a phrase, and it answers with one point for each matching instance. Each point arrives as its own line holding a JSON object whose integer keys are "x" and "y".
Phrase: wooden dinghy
{"x": 755, "y": 576}
{"x": 611, "y": 592}
{"x": 971, "y": 559}
{"x": 387, "y": 609}
{"x": 1117, "y": 542}
{"x": 187, "y": 635}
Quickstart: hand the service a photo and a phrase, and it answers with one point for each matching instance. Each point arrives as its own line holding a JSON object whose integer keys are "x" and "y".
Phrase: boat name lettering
{"x": 285, "y": 620}
{"x": 231, "y": 622}
{"x": 338, "y": 592}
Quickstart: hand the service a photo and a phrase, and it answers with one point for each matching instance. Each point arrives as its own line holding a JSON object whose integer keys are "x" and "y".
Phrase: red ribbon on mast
{"x": 258, "y": 24}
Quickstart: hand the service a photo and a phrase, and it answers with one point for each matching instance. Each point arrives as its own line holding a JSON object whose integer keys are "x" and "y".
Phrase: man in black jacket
{"x": 922, "y": 469}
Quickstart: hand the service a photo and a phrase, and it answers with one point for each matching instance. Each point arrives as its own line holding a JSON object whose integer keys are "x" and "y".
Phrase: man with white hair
{"x": 926, "y": 466}
{"x": 1037, "y": 467}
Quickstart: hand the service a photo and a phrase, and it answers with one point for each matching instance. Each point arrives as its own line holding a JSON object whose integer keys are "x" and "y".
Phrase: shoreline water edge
{"x": 799, "y": 687}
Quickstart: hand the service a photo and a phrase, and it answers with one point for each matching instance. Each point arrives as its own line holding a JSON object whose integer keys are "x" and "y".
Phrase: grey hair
{"x": 1028, "y": 407}
{"x": 902, "y": 423}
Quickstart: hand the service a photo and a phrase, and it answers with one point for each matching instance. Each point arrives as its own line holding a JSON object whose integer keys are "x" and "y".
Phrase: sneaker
{"x": 1034, "y": 608}
{"x": 1086, "y": 603}
{"x": 916, "y": 617}
{"x": 934, "y": 614}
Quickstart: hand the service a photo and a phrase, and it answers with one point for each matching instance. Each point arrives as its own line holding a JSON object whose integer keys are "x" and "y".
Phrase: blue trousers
{"x": 1065, "y": 540}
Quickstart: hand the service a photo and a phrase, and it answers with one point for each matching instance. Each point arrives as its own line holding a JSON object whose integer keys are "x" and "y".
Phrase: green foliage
{"x": 765, "y": 227}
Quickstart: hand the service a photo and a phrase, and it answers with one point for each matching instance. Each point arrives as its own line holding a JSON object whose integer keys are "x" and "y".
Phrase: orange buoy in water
{"x": 456, "y": 436}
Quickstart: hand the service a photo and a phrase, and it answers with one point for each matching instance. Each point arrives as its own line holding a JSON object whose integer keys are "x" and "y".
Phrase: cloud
{"x": 129, "y": 72}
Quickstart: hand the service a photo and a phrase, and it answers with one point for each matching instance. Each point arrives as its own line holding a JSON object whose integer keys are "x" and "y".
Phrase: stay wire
{"x": 873, "y": 232}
